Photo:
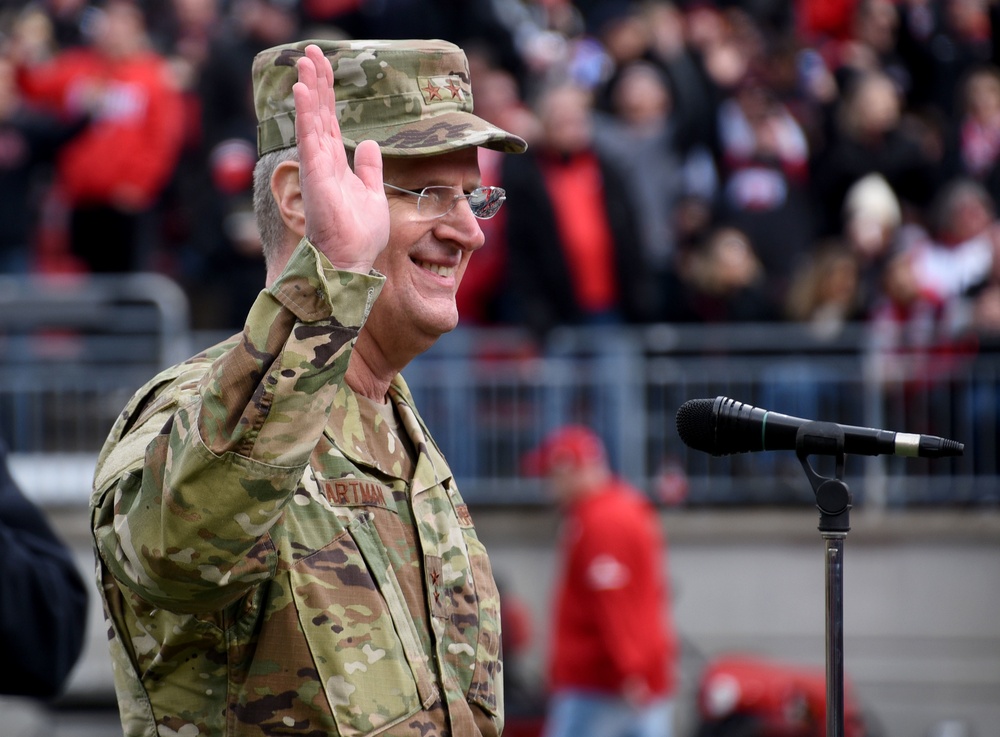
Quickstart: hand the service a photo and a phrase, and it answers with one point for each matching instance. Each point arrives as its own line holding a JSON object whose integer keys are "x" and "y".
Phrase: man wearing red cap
{"x": 613, "y": 652}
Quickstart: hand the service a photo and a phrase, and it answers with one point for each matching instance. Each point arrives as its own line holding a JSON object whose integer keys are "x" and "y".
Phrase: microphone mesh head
{"x": 695, "y": 424}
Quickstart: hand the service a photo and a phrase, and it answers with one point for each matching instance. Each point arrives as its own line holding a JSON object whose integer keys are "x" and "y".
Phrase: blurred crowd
{"x": 820, "y": 161}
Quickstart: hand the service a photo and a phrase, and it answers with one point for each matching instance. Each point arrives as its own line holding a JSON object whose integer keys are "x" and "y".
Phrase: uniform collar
{"x": 344, "y": 429}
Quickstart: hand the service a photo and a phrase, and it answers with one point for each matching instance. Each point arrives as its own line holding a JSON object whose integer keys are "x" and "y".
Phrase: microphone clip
{"x": 833, "y": 498}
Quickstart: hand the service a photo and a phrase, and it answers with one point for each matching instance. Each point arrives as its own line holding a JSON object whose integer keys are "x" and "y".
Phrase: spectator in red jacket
{"x": 112, "y": 174}
{"x": 614, "y": 652}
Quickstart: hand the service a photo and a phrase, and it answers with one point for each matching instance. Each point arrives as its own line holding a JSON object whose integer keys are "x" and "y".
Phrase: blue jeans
{"x": 592, "y": 714}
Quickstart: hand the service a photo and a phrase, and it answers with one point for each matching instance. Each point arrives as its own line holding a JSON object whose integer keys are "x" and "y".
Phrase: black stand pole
{"x": 833, "y": 500}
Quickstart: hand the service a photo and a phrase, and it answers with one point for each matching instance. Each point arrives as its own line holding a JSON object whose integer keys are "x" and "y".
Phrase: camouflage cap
{"x": 412, "y": 97}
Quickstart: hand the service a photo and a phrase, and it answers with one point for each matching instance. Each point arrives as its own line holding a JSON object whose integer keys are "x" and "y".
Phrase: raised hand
{"x": 347, "y": 216}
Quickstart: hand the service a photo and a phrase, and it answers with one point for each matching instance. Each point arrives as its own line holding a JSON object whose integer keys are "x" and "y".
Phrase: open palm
{"x": 347, "y": 216}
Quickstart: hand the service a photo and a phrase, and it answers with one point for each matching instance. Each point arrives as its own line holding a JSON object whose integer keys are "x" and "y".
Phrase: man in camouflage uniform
{"x": 281, "y": 547}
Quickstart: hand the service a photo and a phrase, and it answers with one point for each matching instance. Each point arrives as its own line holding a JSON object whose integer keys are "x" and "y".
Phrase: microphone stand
{"x": 833, "y": 500}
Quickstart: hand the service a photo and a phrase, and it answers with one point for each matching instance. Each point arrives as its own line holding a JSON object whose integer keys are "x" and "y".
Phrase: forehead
{"x": 454, "y": 167}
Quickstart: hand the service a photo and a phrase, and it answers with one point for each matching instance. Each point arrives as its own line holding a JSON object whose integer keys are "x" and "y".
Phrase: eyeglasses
{"x": 437, "y": 201}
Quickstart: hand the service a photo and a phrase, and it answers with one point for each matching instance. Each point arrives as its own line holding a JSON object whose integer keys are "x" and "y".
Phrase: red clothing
{"x": 786, "y": 699}
{"x": 613, "y": 615}
{"x": 822, "y": 19}
{"x": 137, "y": 122}
{"x": 576, "y": 189}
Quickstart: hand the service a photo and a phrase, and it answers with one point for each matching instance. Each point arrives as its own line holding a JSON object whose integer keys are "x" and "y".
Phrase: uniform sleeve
{"x": 188, "y": 527}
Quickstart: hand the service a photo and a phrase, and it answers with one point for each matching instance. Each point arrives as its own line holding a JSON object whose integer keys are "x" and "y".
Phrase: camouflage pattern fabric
{"x": 267, "y": 564}
{"x": 412, "y": 97}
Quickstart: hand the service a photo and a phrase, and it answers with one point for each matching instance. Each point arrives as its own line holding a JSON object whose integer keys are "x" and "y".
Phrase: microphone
{"x": 723, "y": 426}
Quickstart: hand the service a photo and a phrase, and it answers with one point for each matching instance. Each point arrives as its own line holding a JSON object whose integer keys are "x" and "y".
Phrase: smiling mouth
{"x": 438, "y": 269}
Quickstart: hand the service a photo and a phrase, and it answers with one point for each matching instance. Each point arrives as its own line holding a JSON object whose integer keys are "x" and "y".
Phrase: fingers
{"x": 316, "y": 123}
{"x": 303, "y": 92}
{"x": 368, "y": 165}
{"x": 326, "y": 99}
{"x": 316, "y": 126}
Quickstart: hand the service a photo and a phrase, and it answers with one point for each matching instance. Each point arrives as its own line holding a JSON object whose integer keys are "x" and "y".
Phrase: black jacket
{"x": 43, "y": 601}
{"x": 538, "y": 275}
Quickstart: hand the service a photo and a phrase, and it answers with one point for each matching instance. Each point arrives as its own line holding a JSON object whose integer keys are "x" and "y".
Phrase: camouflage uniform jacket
{"x": 263, "y": 571}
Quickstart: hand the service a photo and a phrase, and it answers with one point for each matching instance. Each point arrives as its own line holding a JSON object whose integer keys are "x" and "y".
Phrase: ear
{"x": 287, "y": 191}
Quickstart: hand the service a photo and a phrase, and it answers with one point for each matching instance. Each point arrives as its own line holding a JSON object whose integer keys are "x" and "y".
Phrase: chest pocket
{"x": 362, "y": 641}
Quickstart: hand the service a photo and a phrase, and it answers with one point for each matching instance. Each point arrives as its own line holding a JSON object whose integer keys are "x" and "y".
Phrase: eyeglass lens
{"x": 483, "y": 201}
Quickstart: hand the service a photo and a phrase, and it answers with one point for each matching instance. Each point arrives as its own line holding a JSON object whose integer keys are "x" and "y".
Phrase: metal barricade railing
{"x": 489, "y": 402}
{"x": 140, "y": 318}
{"x": 74, "y": 351}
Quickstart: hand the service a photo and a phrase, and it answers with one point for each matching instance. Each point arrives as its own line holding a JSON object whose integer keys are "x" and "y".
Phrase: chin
{"x": 445, "y": 319}
{"x": 449, "y": 325}
{"x": 434, "y": 326}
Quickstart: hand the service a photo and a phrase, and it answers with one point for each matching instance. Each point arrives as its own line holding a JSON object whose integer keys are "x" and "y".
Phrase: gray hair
{"x": 269, "y": 223}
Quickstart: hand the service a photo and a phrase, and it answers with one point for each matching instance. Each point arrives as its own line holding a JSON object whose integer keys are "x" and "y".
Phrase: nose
{"x": 461, "y": 226}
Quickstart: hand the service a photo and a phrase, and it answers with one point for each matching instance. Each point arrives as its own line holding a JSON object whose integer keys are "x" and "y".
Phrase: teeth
{"x": 437, "y": 268}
